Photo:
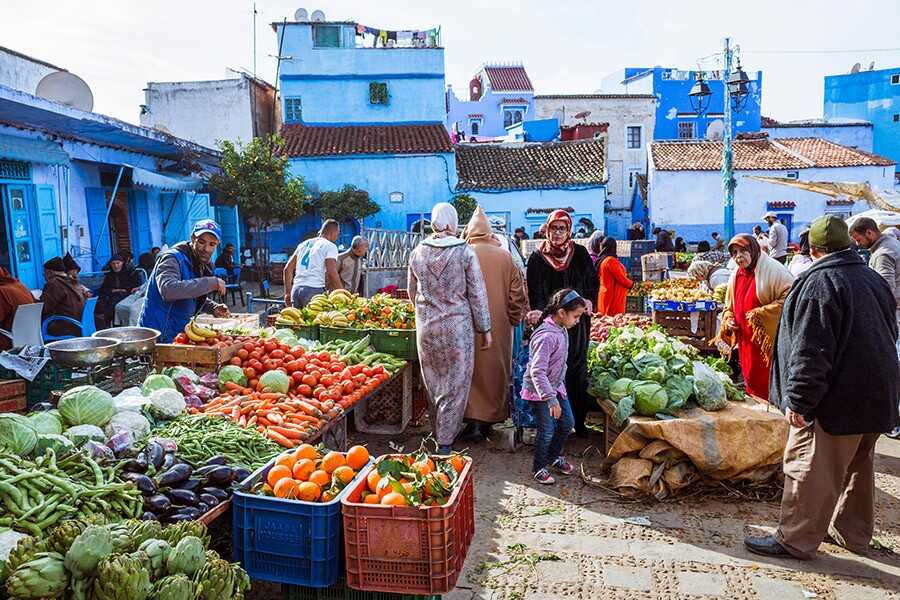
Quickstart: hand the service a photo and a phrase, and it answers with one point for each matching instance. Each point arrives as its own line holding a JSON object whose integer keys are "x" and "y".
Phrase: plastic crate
{"x": 287, "y": 541}
{"x": 636, "y": 304}
{"x": 635, "y": 248}
{"x": 406, "y": 549}
{"x": 398, "y": 342}
{"x": 342, "y": 592}
{"x": 388, "y": 409}
{"x": 330, "y": 334}
{"x": 50, "y": 379}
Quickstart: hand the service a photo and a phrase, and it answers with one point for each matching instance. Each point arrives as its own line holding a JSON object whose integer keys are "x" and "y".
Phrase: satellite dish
{"x": 855, "y": 68}
{"x": 317, "y": 16}
{"x": 300, "y": 14}
{"x": 66, "y": 88}
{"x": 583, "y": 114}
{"x": 715, "y": 130}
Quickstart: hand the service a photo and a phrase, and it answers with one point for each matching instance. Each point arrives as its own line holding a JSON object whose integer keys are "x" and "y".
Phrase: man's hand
{"x": 220, "y": 286}
{"x": 796, "y": 419}
{"x": 488, "y": 340}
{"x": 221, "y": 311}
{"x": 533, "y": 316}
{"x": 556, "y": 411}
{"x": 287, "y": 299}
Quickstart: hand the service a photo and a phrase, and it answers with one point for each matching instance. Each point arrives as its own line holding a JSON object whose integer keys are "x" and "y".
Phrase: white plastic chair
{"x": 26, "y": 327}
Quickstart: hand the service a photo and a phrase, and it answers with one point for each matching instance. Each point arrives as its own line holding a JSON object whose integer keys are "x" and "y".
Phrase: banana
{"x": 202, "y": 330}
{"x": 292, "y": 314}
{"x": 191, "y": 335}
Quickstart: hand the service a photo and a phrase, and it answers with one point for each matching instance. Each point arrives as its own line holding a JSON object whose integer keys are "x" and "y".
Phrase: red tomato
{"x": 269, "y": 365}
{"x": 253, "y": 383}
{"x": 282, "y": 369}
{"x": 335, "y": 367}
{"x": 243, "y": 354}
{"x": 181, "y": 338}
{"x": 236, "y": 361}
{"x": 346, "y": 375}
{"x": 355, "y": 369}
{"x": 309, "y": 379}
{"x": 367, "y": 371}
{"x": 298, "y": 351}
{"x": 297, "y": 377}
{"x": 324, "y": 357}
{"x": 249, "y": 373}
{"x": 277, "y": 353}
{"x": 311, "y": 366}
{"x": 301, "y": 364}
{"x": 304, "y": 390}
{"x": 284, "y": 348}
{"x": 257, "y": 366}
{"x": 269, "y": 347}
{"x": 347, "y": 387}
{"x": 335, "y": 393}
{"x": 378, "y": 369}
{"x": 289, "y": 358}
{"x": 320, "y": 393}
{"x": 327, "y": 380}
{"x": 256, "y": 354}
{"x": 359, "y": 379}
{"x": 249, "y": 346}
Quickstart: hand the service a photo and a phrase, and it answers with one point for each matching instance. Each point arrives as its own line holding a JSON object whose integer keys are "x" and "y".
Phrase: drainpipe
{"x": 112, "y": 200}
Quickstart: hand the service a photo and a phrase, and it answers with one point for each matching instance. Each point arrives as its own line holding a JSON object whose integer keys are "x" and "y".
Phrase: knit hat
{"x": 829, "y": 232}
{"x": 55, "y": 264}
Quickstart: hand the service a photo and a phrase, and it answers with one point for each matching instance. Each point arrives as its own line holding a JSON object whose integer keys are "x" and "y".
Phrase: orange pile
{"x": 312, "y": 474}
{"x": 415, "y": 479}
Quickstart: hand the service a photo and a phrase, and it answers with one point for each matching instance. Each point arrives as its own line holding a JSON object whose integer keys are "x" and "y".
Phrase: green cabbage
{"x": 86, "y": 405}
{"x": 82, "y": 434}
{"x": 46, "y": 422}
{"x": 232, "y": 373}
{"x": 60, "y": 444}
{"x": 600, "y": 383}
{"x": 156, "y": 381}
{"x": 649, "y": 398}
{"x": 679, "y": 389}
{"x": 650, "y": 367}
{"x": 286, "y": 336}
{"x": 17, "y": 434}
{"x": 624, "y": 409}
{"x": 275, "y": 381}
{"x": 620, "y": 388}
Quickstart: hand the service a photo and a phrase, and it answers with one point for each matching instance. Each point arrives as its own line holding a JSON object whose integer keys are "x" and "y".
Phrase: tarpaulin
{"x": 166, "y": 183}
{"x": 32, "y": 150}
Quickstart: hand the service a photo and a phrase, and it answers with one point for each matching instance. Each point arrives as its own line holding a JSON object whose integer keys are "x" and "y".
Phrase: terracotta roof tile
{"x": 305, "y": 140}
{"x": 825, "y": 153}
{"x": 509, "y": 79}
{"x": 530, "y": 166}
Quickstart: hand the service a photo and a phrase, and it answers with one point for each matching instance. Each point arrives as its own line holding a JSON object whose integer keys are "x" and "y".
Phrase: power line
{"x": 821, "y": 51}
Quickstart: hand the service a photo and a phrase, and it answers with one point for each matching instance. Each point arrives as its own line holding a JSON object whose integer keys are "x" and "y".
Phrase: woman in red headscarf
{"x": 556, "y": 264}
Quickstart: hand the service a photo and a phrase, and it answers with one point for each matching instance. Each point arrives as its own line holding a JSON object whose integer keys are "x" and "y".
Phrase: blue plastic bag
{"x": 521, "y": 408}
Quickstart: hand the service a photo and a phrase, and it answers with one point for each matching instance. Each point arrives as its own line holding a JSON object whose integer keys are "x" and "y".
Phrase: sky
{"x": 567, "y": 46}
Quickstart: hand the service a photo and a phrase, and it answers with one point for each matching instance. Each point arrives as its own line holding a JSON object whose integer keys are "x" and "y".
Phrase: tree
{"x": 465, "y": 205}
{"x": 255, "y": 178}
{"x": 349, "y": 203}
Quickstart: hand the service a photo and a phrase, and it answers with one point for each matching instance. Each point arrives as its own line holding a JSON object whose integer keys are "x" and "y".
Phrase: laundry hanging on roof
{"x": 404, "y": 38}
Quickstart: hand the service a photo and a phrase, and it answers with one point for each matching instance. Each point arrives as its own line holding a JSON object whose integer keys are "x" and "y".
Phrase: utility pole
{"x": 728, "y": 181}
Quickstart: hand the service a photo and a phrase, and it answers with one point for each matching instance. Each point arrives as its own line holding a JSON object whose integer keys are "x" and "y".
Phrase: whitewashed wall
{"x": 20, "y": 73}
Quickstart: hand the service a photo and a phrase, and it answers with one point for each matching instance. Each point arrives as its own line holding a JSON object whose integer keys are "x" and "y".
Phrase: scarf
{"x": 607, "y": 249}
{"x": 559, "y": 255}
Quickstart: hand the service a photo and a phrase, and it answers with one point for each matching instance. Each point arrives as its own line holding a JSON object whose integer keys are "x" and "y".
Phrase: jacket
{"x": 885, "y": 259}
{"x": 349, "y": 268}
{"x": 778, "y": 240}
{"x": 835, "y": 358}
{"x": 62, "y": 297}
{"x": 545, "y": 375}
{"x": 12, "y": 295}
{"x": 664, "y": 242}
{"x": 614, "y": 286}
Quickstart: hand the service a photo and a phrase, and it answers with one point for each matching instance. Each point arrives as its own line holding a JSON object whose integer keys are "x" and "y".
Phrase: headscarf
{"x": 558, "y": 255}
{"x": 701, "y": 269}
{"x": 607, "y": 249}
{"x": 594, "y": 244}
{"x": 478, "y": 230}
{"x": 749, "y": 243}
{"x": 444, "y": 220}
{"x": 804, "y": 242}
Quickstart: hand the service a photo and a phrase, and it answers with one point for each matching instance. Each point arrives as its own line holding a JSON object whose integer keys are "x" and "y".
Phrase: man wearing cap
{"x": 836, "y": 376}
{"x": 778, "y": 237}
{"x": 62, "y": 297}
{"x": 181, "y": 281}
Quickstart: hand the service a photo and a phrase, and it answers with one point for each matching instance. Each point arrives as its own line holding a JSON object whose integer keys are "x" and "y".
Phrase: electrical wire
{"x": 832, "y": 51}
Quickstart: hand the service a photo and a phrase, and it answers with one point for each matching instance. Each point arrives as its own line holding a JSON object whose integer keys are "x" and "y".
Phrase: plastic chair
{"x": 86, "y": 324}
{"x": 231, "y": 284}
{"x": 26, "y": 326}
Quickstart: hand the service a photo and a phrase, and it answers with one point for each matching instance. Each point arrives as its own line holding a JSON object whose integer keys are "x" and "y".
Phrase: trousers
{"x": 551, "y": 433}
{"x": 300, "y": 296}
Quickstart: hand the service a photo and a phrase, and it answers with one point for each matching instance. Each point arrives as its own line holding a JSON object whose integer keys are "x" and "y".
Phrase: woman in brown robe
{"x": 489, "y": 395}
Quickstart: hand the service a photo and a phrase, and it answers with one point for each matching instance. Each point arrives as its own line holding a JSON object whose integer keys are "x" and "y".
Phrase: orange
{"x": 332, "y": 461}
{"x": 394, "y": 499}
{"x": 277, "y": 472}
{"x": 303, "y": 468}
{"x": 329, "y": 495}
{"x": 384, "y": 488}
{"x": 306, "y": 451}
{"x": 357, "y": 457}
{"x": 372, "y": 480}
{"x": 285, "y": 488}
{"x": 371, "y": 499}
{"x": 458, "y": 461}
{"x": 436, "y": 483}
{"x": 308, "y": 491}
{"x": 423, "y": 467}
{"x": 344, "y": 474}
{"x": 287, "y": 459}
{"x": 320, "y": 478}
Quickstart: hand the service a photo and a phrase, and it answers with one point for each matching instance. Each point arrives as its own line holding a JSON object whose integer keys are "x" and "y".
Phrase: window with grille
{"x": 14, "y": 169}
{"x": 686, "y": 130}
{"x": 378, "y": 92}
{"x": 327, "y": 36}
{"x": 475, "y": 126}
{"x": 633, "y": 137}
{"x": 511, "y": 116}
{"x": 292, "y": 109}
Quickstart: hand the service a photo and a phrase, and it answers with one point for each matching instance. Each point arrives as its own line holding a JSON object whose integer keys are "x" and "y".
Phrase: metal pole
{"x": 728, "y": 181}
{"x": 254, "y": 40}
{"x": 112, "y": 200}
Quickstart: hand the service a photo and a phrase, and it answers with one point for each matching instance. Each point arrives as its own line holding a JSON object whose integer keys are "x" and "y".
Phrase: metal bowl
{"x": 83, "y": 351}
{"x": 133, "y": 340}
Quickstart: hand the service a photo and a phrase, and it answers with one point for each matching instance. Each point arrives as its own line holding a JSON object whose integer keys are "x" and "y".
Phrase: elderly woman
{"x": 753, "y": 302}
{"x": 118, "y": 284}
{"x": 556, "y": 264}
{"x": 447, "y": 288}
{"x": 614, "y": 281}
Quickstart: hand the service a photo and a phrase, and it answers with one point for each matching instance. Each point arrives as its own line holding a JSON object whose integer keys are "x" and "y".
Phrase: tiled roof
{"x": 762, "y": 154}
{"x": 594, "y": 97}
{"x": 509, "y": 79}
{"x": 530, "y": 166}
{"x": 305, "y": 140}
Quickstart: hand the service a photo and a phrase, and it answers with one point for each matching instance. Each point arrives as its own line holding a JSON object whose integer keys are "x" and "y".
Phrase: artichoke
{"x": 120, "y": 534}
{"x": 241, "y": 581}
{"x": 24, "y": 550}
{"x": 174, "y": 587}
{"x": 43, "y": 577}
{"x": 62, "y": 536}
{"x": 174, "y": 533}
{"x": 81, "y": 589}
{"x": 122, "y": 577}
{"x": 215, "y": 580}
{"x": 157, "y": 552}
{"x": 187, "y": 557}
{"x": 92, "y": 545}
{"x": 145, "y": 530}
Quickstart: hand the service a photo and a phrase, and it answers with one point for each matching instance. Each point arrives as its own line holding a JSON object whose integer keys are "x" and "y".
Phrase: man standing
{"x": 778, "y": 238}
{"x": 225, "y": 260}
{"x": 835, "y": 374}
{"x": 350, "y": 263}
{"x": 663, "y": 240}
{"x": 313, "y": 266}
{"x": 180, "y": 282}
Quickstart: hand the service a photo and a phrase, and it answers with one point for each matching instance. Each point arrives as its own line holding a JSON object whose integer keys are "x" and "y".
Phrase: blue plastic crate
{"x": 288, "y": 541}
{"x": 699, "y": 306}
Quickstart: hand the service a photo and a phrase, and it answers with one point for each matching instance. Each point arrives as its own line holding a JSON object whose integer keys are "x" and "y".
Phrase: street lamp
{"x": 738, "y": 87}
{"x": 700, "y": 95}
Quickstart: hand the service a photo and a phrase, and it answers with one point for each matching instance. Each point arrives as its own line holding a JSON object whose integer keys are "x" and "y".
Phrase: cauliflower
{"x": 166, "y": 403}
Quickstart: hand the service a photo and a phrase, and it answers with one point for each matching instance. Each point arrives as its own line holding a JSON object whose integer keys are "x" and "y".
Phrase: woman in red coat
{"x": 614, "y": 282}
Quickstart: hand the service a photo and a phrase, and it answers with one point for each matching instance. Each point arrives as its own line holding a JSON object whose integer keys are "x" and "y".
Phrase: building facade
{"x": 685, "y": 183}
{"x": 872, "y": 96}
{"x": 499, "y": 97}
{"x": 846, "y": 132}
{"x": 21, "y": 72}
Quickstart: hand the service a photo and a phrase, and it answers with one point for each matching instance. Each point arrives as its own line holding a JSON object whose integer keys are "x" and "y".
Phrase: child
{"x": 544, "y": 383}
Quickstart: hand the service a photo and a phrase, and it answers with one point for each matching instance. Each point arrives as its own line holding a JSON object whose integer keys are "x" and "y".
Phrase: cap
{"x": 769, "y": 215}
{"x": 829, "y": 232}
{"x": 55, "y": 264}
{"x": 207, "y": 226}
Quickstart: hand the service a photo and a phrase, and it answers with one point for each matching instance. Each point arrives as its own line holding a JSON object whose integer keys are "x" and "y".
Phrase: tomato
{"x": 335, "y": 367}
{"x": 243, "y": 354}
{"x": 249, "y": 346}
{"x": 347, "y": 387}
{"x": 269, "y": 347}
{"x": 378, "y": 369}
{"x": 256, "y": 366}
{"x": 269, "y": 365}
{"x": 304, "y": 390}
{"x": 277, "y": 353}
{"x": 320, "y": 393}
{"x": 181, "y": 338}
{"x": 310, "y": 367}
{"x": 346, "y": 375}
{"x": 309, "y": 379}
{"x": 253, "y": 383}
{"x": 381, "y": 377}
{"x": 359, "y": 379}
{"x": 301, "y": 364}
{"x": 284, "y": 348}
{"x": 249, "y": 373}
{"x": 282, "y": 369}
{"x": 298, "y": 351}
{"x": 367, "y": 371}
{"x": 236, "y": 361}
{"x": 324, "y": 356}
{"x": 327, "y": 380}
{"x": 289, "y": 358}
{"x": 355, "y": 369}
{"x": 256, "y": 354}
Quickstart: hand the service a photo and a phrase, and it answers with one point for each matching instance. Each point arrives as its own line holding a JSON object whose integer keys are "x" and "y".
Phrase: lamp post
{"x": 736, "y": 88}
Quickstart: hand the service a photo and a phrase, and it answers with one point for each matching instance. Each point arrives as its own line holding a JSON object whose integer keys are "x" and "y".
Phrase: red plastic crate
{"x": 406, "y": 549}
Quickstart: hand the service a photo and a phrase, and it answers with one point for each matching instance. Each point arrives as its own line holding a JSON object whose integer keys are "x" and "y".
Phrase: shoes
{"x": 766, "y": 546}
{"x": 543, "y": 476}
{"x": 563, "y": 466}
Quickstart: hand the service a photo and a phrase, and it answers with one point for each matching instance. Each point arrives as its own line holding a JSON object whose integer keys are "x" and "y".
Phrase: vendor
{"x": 180, "y": 282}
{"x": 710, "y": 273}
{"x": 118, "y": 284}
{"x": 62, "y": 297}
{"x": 12, "y": 295}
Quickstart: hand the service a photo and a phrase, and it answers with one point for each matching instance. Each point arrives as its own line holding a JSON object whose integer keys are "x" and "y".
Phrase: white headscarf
{"x": 444, "y": 219}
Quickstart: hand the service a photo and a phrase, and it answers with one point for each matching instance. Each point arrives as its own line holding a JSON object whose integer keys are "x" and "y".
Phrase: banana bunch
{"x": 319, "y": 303}
{"x": 197, "y": 332}
{"x": 341, "y": 298}
{"x": 333, "y": 318}
{"x": 290, "y": 317}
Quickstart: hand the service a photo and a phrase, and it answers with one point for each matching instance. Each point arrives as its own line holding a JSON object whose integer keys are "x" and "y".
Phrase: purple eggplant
{"x": 176, "y": 474}
{"x": 183, "y": 497}
{"x": 143, "y": 483}
{"x": 157, "y": 504}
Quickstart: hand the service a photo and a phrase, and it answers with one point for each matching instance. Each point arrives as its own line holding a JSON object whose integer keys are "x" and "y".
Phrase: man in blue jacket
{"x": 181, "y": 281}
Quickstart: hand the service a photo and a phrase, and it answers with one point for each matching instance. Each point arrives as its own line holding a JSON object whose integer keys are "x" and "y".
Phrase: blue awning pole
{"x": 112, "y": 200}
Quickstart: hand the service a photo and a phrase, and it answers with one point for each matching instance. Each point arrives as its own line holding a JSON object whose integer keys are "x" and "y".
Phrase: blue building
{"x": 499, "y": 97}
{"x": 872, "y": 96}
{"x": 675, "y": 117}
{"x": 371, "y": 117}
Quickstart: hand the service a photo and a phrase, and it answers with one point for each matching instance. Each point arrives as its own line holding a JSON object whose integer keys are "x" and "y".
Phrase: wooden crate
{"x": 200, "y": 359}
{"x": 677, "y": 323}
{"x": 250, "y": 320}
{"x": 14, "y": 404}
{"x": 610, "y": 431}
{"x": 10, "y": 388}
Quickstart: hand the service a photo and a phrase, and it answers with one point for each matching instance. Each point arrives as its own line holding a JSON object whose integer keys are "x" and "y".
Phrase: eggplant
{"x": 148, "y": 516}
{"x": 193, "y": 512}
{"x": 183, "y": 497}
{"x": 176, "y": 474}
{"x": 209, "y": 500}
{"x": 218, "y": 460}
{"x": 143, "y": 483}
{"x": 157, "y": 504}
{"x": 220, "y": 477}
{"x": 42, "y": 407}
{"x": 155, "y": 454}
{"x": 179, "y": 516}
{"x": 137, "y": 464}
{"x": 241, "y": 474}
{"x": 217, "y": 493}
{"x": 168, "y": 461}
{"x": 200, "y": 471}
{"x": 203, "y": 507}
{"x": 188, "y": 484}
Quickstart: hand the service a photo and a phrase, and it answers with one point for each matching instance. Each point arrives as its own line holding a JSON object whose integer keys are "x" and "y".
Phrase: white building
{"x": 685, "y": 182}
{"x": 206, "y": 112}
{"x": 21, "y": 72}
{"x": 630, "y": 121}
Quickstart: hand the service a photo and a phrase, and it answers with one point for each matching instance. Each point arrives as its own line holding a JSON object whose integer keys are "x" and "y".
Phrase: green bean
{"x": 13, "y": 492}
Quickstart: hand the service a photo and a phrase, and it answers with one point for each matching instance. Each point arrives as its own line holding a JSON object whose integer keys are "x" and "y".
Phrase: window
{"x": 475, "y": 126}
{"x": 511, "y": 116}
{"x": 326, "y": 36}
{"x": 686, "y": 130}
{"x": 292, "y": 111}
{"x": 895, "y": 79}
{"x": 896, "y": 118}
{"x": 793, "y": 175}
{"x": 378, "y": 93}
{"x": 396, "y": 196}
{"x": 633, "y": 137}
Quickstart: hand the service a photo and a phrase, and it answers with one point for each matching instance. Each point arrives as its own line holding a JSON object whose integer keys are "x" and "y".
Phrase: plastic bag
{"x": 133, "y": 423}
{"x": 709, "y": 391}
{"x": 8, "y": 540}
{"x": 98, "y": 451}
{"x": 130, "y": 400}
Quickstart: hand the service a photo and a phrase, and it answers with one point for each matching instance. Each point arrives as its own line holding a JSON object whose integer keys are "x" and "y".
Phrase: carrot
{"x": 263, "y": 421}
{"x": 309, "y": 408}
{"x": 279, "y": 439}
{"x": 214, "y": 402}
{"x": 271, "y": 396}
{"x": 303, "y": 418}
{"x": 243, "y": 420}
{"x": 251, "y": 421}
{"x": 275, "y": 418}
{"x": 286, "y": 432}
{"x": 231, "y": 385}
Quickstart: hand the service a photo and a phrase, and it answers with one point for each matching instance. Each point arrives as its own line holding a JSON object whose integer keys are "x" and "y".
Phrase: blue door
{"x": 51, "y": 240}
{"x": 172, "y": 209}
{"x": 139, "y": 222}
{"x": 198, "y": 209}
{"x": 227, "y": 218}
{"x": 24, "y": 255}
{"x": 786, "y": 219}
{"x": 98, "y": 226}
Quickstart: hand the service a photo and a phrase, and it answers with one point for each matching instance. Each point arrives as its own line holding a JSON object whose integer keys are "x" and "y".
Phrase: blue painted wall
{"x": 512, "y": 206}
{"x": 868, "y": 95}
{"x": 491, "y": 106}
{"x": 855, "y": 136}
{"x": 541, "y": 130}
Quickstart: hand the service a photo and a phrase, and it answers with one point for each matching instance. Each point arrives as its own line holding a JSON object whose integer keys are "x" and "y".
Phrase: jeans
{"x": 300, "y": 295}
{"x": 551, "y": 433}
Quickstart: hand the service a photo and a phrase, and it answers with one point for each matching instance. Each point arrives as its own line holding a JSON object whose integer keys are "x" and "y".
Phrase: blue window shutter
{"x": 98, "y": 226}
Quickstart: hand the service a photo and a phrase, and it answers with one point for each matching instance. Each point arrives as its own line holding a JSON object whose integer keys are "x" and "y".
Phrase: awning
{"x": 166, "y": 183}
{"x": 883, "y": 199}
{"x": 32, "y": 150}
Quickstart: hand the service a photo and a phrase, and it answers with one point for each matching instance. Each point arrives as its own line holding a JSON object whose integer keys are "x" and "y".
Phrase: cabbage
{"x": 286, "y": 336}
{"x": 86, "y": 405}
{"x": 679, "y": 389}
{"x": 232, "y": 373}
{"x": 624, "y": 409}
{"x": 46, "y": 422}
{"x": 166, "y": 403}
{"x": 82, "y": 434}
{"x": 275, "y": 381}
{"x": 156, "y": 381}
{"x": 17, "y": 434}
{"x": 60, "y": 444}
{"x": 180, "y": 371}
{"x": 600, "y": 383}
{"x": 651, "y": 367}
{"x": 649, "y": 398}
{"x": 620, "y": 388}
{"x": 133, "y": 423}
{"x": 708, "y": 388}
